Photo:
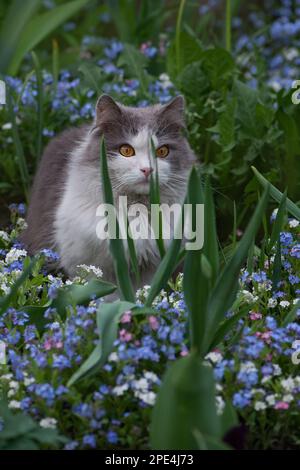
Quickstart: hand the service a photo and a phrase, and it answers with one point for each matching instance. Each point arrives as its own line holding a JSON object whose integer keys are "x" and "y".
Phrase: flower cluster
{"x": 254, "y": 368}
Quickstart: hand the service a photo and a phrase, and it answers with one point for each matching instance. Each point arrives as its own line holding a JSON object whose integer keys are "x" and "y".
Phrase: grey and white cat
{"x": 67, "y": 187}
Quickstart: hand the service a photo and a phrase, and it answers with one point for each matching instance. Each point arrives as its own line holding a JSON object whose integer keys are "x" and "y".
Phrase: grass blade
{"x": 40, "y": 104}
{"x": 18, "y": 145}
{"x": 224, "y": 292}
{"x": 116, "y": 245}
{"x": 279, "y": 222}
{"x": 292, "y": 208}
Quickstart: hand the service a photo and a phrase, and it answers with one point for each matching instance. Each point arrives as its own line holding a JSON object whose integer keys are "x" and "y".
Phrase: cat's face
{"x": 128, "y": 132}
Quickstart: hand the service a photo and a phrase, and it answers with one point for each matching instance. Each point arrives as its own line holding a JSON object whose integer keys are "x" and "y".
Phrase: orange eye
{"x": 162, "y": 151}
{"x": 126, "y": 150}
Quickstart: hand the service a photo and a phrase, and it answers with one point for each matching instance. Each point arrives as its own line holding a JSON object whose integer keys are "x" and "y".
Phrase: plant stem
{"x": 228, "y": 25}
{"x": 177, "y": 33}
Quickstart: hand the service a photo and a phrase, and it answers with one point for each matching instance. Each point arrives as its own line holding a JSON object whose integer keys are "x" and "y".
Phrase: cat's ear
{"x": 107, "y": 110}
{"x": 173, "y": 112}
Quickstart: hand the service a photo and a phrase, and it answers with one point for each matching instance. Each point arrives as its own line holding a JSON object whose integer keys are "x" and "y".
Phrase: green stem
{"x": 177, "y": 34}
{"x": 228, "y": 25}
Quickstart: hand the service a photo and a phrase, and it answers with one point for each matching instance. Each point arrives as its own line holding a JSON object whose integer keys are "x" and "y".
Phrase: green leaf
{"x": 80, "y": 295}
{"x": 115, "y": 244}
{"x": 38, "y": 28}
{"x": 135, "y": 63}
{"x": 226, "y": 126}
{"x": 218, "y": 65}
{"x": 192, "y": 81}
{"x": 195, "y": 283}
{"x": 211, "y": 245}
{"x": 108, "y": 316}
{"x": 278, "y": 223}
{"x": 6, "y": 301}
{"x": 92, "y": 76}
{"x": 292, "y": 315}
{"x": 18, "y": 14}
{"x": 292, "y": 208}
{"x": 247, "y": 99}
{"x": 190, "y": 51}
{"x": 185, "y": 403}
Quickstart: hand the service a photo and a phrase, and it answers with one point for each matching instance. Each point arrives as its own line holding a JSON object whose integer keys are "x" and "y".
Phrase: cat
{"x": 67, "y": 187}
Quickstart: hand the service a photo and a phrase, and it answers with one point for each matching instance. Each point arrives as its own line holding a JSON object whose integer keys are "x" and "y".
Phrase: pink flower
{"x": 126, "y": 317}
{"x": 154, "y": 323}
{"x": 266, "y": 336}
{"x": 125, "y": 335}
{"x": 281, "y": 405}
{"x": 184, "y": 353}
{"x": 255, "y": 315}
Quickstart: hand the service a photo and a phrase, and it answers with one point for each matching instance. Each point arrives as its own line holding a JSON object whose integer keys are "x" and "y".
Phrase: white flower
{"x": 11, "y": 393}
{"x": 14, "y": 254}
{"x": 141, "y": 384}
{"x": 6, "y": 377}
{"x": 272, "y": 303}
{"x": 28, "y": 381}
{"x": 120, "y": 389}
{"x": 4, "y": 236}
{"x": 259, "y": 405}
{"x": 49, "y": 423}
{"x": 248, "y": 297}
{"x": 220, "y": 404}
{"x": 271, "y": 400}
{"x": 14, "y": 384}
{"x": 293, "y": 223}
{"x": 288, "y": 384}
{"x": 277, "y": 369}
{"x": 148, "y": 397}
{"x": 7, "y": 126}
{"x": 113, "y": 357}
{"x": 288, "y": 398}
{"x": 91, "y": 269}
{"x": 284, "y": 303}
{"x": 14, "y": 404}
{"x": 295, "y": 301}
{"x": 151, "y": 376}
{"x": 214, "y": 357}
{"x": 248, "y": 367}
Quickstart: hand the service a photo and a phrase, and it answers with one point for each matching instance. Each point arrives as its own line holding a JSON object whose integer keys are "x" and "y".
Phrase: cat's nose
{"x": 146, "y": 171}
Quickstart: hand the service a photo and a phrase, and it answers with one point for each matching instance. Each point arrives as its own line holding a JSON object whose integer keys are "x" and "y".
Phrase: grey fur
{"x": 115, "y": 122}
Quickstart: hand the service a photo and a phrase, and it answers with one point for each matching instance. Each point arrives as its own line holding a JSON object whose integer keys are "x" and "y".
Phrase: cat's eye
{"x": 126, "y": 150}
{"x": 162, "y": 151}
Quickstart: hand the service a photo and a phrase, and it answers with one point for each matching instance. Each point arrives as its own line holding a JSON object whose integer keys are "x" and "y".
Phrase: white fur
{"x": 76, "y": 221}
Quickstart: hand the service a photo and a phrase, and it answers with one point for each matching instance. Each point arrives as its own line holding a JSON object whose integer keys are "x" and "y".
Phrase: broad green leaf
{"x": 218, "y": 66}
{"x": 17, "y": 16}
{"x": 292, "y": 208}
{"x": 192, "y": 81}
{"x": 185, "y": 403}
{"x": 189, "y": 51}
{"x": 38, "y": 28}
{"x": 247, "y": 99}
{"x": 81, "y": 294}
{"x": 92, "y": 76}
{"x": 135, "y": 62}
{"x": 226, "y": 126}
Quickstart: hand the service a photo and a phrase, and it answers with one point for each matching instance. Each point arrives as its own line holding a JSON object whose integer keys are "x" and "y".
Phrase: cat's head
{"x": 127, "y": 132}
